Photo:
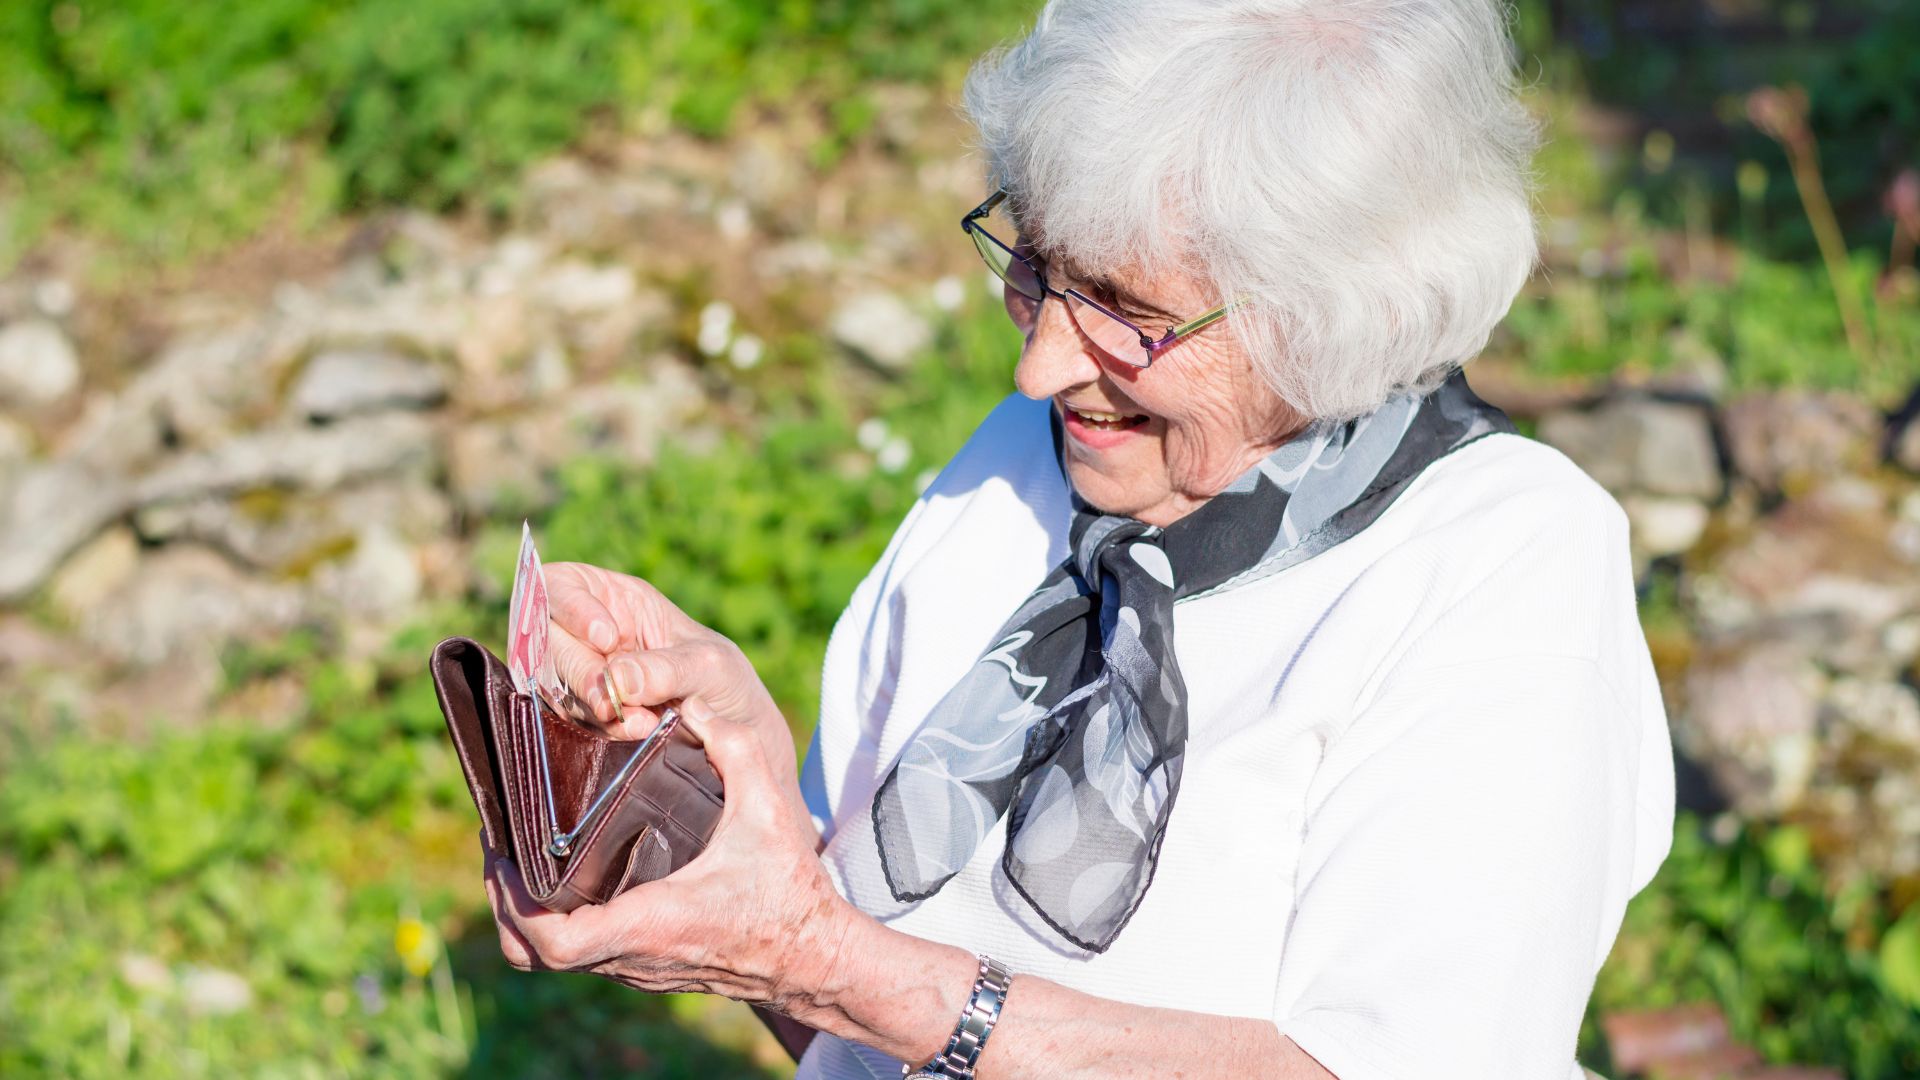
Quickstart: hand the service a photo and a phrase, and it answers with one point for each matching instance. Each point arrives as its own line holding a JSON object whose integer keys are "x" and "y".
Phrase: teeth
{"x": 1100, "y": 417}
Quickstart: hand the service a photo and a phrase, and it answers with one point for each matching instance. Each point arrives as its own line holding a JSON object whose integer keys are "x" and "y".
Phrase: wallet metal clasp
{"x": 561, "y": 843}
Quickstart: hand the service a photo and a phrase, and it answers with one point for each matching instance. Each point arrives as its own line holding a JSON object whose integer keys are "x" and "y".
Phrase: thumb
{"x": 655, "y": 676}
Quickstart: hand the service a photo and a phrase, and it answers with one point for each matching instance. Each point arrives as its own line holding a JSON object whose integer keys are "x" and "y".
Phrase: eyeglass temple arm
{"x": 983, "y": 209}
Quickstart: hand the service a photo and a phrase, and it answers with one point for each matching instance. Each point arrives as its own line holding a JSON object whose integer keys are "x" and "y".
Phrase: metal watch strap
{"x": 956, "y": 1062}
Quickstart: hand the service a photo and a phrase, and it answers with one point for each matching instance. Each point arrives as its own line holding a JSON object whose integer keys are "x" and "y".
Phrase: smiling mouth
{"x": 1105, "y": 421}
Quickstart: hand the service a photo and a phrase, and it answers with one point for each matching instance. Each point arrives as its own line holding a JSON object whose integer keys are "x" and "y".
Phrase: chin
{"x": 1106, "y": 494}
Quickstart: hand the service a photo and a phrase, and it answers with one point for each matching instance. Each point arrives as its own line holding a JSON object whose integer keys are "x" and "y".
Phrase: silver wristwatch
{"x": 976, "y": 1023}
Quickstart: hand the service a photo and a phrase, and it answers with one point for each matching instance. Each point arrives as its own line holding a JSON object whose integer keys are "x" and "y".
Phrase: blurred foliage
{"x": 1680, "y": 69}
{"x": 1775, "y": 324}
{"x": 174, "y": 128}
{"x": 1803, "y": 976}
{"x": 332, "y": 863}
{"x": 327, "y": 864}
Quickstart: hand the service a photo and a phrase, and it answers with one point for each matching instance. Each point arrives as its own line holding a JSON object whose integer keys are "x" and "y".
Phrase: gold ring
{"x": 613, "y": 692}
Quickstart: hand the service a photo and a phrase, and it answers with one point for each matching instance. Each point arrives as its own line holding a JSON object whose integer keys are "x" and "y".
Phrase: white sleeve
{"x": 1454, "y": 885}
{"x": 1474, "y": 833}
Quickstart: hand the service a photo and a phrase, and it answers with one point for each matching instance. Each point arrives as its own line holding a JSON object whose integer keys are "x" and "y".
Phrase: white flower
{"x": 894, "y": 455}
{"x": 871, "y": 434}
{"x": 948, "y": 293}
{"x": 746, "y": 352}
{"x": 716, "y": 328}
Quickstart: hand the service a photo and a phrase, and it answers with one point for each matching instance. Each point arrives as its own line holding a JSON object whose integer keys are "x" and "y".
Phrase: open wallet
{"x": 583, "y": 816}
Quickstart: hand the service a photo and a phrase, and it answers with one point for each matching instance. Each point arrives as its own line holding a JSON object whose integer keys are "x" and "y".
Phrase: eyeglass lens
{"x": 1024, "y": 294}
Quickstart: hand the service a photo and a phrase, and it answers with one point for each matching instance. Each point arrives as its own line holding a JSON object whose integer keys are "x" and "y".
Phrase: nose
{"x": 1056, "y": 356}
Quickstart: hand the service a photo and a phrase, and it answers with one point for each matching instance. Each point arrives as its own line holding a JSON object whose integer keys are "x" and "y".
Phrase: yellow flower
{"x": 417, "y": 945}
{"x": 1657, "y": 152}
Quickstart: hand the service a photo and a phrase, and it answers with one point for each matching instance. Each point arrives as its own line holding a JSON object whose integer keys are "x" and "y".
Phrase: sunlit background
{"x": 304, "y": 305}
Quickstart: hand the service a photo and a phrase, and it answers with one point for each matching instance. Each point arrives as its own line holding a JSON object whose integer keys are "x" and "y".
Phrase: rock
{"x": 343, "y": 383}
{"x": 1662, "y": 525}
{"x": 379, "y": 581}
{"x": 1631, "y": 443}
{"x": 38, "y": 365}
{"x": 55, "y": 507}
{"x": 502, "y": 468}
{"x": 1695, "y": 369}
{"x": 1751, "y": 719}
{"x": 588, "y": 208}
{"x": 16, "y": 445}
{"x": 765, "y": 174}
{"x": 805, "y": 257}
{"x": 182, "y": 605}
{"x": 900, "y": 113}
{"x": 289, "y": 533}
{"x": 95, "y": 573}
{"x": 1778, "y": 439}
{"x": 55, "y": 297}
{"x": 628, "y": 419}
{"x": 881, "y": 327}
{"x": 145, "y": 974}
{"x": 1825, "y": 569}
{"x": 210, "y": 991}
{"x": 197, "y": 392}
{"x": 576, "y": 288}
{"x": 1886, "y": 711}
{"x": 308, "y": 459}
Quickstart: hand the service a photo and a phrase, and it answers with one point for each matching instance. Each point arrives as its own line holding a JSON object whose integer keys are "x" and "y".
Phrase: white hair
{"x": 1357, "y": 170}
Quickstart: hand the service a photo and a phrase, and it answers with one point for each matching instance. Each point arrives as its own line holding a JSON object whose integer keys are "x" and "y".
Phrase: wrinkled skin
{"x": 1208, "y": 414}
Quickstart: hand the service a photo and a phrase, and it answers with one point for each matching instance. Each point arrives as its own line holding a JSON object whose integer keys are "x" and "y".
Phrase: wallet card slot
{"x": 657, "y": 819}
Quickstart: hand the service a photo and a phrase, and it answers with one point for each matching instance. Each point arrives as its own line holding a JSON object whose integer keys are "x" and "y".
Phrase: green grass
{"x": 330, "y": 858}
{"x": 165, "y": 130}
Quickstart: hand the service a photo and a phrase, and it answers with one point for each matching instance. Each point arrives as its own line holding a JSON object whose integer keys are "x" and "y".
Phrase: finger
{"x": 513, "y": 945}
{"x": 577, "y": 609}
{"x": 545, "y": 932}
{"x": 582, "y": 668}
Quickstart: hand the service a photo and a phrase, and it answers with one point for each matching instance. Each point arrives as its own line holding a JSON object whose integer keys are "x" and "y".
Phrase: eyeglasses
{"x": 1120, "y": 338}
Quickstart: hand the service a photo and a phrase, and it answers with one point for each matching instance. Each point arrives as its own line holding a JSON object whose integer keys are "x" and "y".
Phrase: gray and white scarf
{"x": 1074, "y": 723}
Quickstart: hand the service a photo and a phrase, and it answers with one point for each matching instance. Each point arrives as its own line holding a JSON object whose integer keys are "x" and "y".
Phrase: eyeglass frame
{"x": 1152, "y": 346}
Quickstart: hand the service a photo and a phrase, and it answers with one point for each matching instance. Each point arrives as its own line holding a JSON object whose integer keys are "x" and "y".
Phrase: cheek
{"x": 1218, "y": 417}
{"x": 1203, "y": 418}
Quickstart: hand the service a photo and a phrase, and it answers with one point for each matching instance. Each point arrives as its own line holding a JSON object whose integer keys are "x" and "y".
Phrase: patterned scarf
{"x": 1074, "y": 723}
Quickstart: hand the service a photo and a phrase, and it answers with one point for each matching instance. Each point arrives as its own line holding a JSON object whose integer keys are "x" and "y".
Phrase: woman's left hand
{"x": 753, "y": 917}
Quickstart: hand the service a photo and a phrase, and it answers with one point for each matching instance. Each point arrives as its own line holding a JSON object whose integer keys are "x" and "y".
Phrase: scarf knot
{"x": 1073, "y": 724}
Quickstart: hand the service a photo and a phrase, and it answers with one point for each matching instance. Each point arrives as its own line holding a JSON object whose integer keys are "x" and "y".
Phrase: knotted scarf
{"x": 1074, "y": 722}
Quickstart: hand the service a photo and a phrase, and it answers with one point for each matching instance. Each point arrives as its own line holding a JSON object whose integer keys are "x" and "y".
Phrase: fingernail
{"x": 601, "y": 636}
{"x": 627, "y": 677}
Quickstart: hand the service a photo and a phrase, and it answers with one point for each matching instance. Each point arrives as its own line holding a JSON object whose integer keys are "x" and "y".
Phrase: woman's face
{"x": 1151, "y": 443}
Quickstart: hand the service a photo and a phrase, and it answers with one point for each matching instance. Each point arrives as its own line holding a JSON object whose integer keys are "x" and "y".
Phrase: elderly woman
{"x": 1246, "y": 698}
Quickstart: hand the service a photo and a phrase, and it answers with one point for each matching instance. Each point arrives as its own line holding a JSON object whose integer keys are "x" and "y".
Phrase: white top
{"x": 1425, "y": 769}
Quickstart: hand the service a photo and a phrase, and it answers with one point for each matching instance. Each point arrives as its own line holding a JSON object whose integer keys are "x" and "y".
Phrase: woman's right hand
{"x": 613, "y": 625}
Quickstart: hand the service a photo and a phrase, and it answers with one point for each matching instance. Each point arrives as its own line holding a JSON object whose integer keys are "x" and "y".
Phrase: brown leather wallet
{"x": 655, "y": 818}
